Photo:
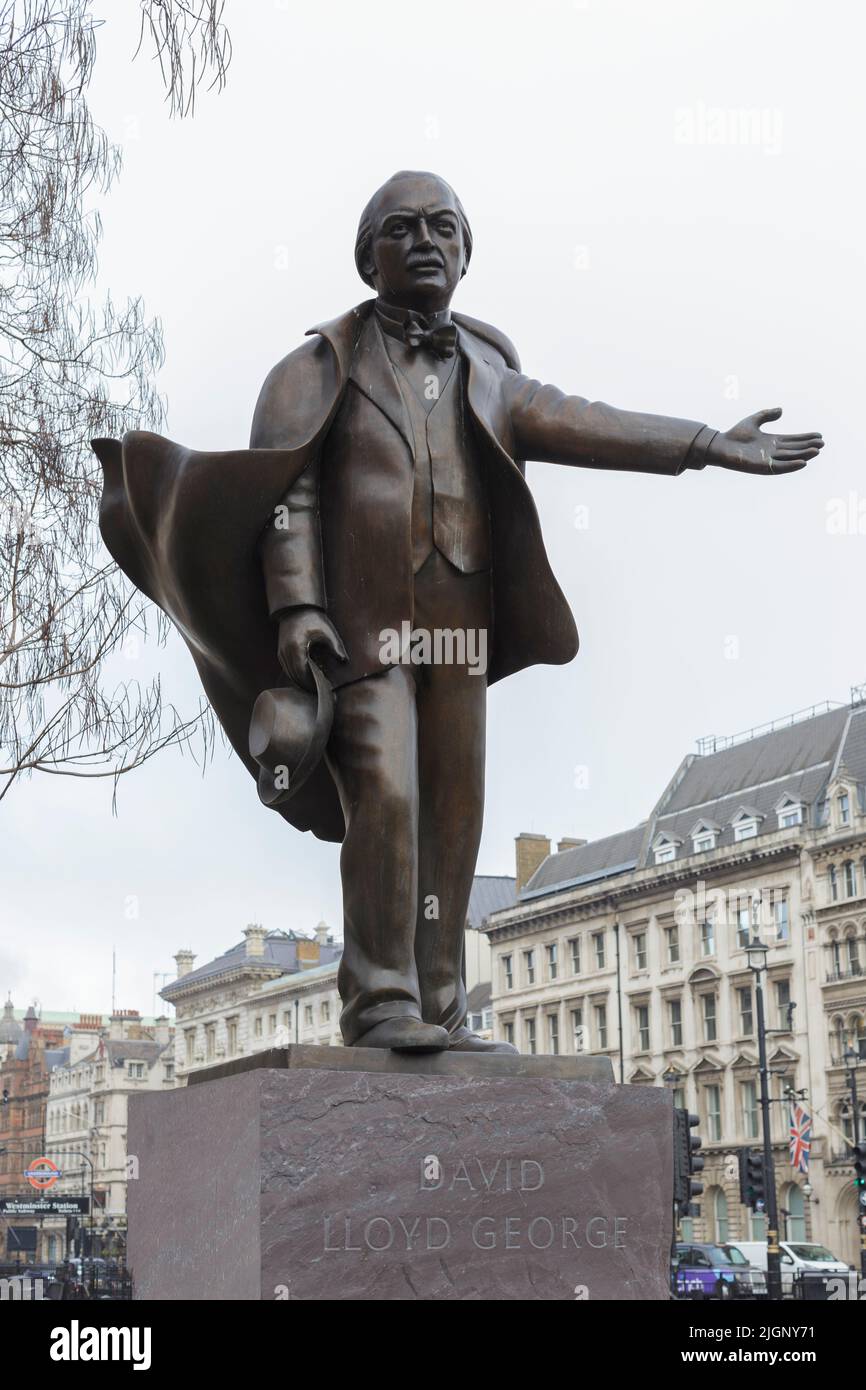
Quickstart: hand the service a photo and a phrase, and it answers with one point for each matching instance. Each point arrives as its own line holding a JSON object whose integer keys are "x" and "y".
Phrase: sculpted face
{"x": 416, "y": 254}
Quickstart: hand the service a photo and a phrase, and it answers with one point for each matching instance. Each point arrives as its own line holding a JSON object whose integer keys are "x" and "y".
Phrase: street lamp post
{"x": 757, "y": 957}
{"x": 851, "y": 1059}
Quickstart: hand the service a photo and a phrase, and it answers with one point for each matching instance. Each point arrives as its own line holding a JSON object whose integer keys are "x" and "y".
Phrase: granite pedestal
{"x": 359, "y": 1174}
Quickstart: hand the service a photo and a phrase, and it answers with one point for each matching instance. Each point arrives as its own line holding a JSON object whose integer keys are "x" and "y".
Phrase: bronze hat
{"x": 289, "y": 728}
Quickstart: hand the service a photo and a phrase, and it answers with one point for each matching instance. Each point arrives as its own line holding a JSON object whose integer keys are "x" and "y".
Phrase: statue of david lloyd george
{"x": 383, "y": 496}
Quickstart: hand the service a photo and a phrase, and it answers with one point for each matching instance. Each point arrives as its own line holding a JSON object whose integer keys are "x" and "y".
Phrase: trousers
{"x": 406, "y": 753}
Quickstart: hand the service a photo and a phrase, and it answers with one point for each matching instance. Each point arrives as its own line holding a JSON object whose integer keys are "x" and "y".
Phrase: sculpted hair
{"x": 365, "y": 226}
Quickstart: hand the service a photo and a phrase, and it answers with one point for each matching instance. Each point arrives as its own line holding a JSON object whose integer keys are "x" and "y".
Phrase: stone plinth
{"x": 449, "y": 1177}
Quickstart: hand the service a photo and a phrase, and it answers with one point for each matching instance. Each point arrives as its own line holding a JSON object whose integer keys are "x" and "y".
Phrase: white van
{"x": 798, "y": 1257}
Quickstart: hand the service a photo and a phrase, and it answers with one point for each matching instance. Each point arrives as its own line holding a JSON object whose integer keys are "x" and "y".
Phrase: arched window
{"x": 795, "y": 1222}
{"x": 720, "y": 1214}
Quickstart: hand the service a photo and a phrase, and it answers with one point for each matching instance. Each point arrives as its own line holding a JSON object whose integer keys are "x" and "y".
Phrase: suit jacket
{"x": 515, "y": 419}
{"x": 187, "y": 526}
{"x": 361, "y": 519}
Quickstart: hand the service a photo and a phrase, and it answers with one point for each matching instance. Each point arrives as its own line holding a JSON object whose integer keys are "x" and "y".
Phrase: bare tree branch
{"x": 71, "y": 371}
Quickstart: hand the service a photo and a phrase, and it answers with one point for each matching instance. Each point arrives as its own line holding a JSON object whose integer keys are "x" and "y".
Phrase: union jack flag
{"x": 801, "y": 1138}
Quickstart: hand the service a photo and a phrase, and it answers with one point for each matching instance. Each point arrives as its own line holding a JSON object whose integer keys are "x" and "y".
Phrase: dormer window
{"x": 745, "y": 824}
{"x": 843, "y": 808}
{"x": 665, "y": 848}
{"x": 790, "y": 812}
{"x": 704, "y": 836}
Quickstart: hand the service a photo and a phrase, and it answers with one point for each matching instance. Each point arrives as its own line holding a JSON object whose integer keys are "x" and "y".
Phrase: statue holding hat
{"x": 385, "y": 485}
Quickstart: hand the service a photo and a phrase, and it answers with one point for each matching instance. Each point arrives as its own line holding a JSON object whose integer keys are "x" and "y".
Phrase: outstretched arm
{"x": 551, "y": 427}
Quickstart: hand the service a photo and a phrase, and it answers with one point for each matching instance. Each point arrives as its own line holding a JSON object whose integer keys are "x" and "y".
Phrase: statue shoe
{"x": 464, "y": 1040}
{"x": 405, "y": 1035}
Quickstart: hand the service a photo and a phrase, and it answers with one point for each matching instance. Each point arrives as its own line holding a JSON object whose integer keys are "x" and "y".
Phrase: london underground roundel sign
{"x": 42, "y": 1173}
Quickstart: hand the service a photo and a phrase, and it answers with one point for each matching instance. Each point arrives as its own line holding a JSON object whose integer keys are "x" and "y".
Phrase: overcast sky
{"x": 667, "y": 208}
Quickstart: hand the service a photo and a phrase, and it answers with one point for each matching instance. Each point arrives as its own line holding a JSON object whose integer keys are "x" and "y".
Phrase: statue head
{"x": 414, "y": 242}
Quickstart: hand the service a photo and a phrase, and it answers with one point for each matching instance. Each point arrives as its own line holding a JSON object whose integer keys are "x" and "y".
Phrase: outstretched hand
{"x": 747, "y": 450}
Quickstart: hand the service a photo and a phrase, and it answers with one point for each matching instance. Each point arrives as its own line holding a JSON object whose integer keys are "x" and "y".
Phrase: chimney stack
{"x": 530, "y": 851}
{"x": 255, "y": 937}
{"x": 568, "y": 843}
{"x": 322, "y": 933}
{"x": 184, "y": 961}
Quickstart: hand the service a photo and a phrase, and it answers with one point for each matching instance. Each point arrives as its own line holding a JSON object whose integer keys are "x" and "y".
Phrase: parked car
{"x": 716, "y": 1271}
{"x": 798, "y": 1258}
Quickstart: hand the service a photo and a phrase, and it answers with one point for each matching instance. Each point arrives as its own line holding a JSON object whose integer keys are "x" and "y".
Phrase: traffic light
{"x": 860, "y": 1164}
{"x": 753, "y": 1186}
{"x": 687, "y": 1161}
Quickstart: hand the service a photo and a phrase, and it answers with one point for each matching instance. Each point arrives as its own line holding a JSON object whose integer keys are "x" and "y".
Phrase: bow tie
{"x": 415, "y": 331}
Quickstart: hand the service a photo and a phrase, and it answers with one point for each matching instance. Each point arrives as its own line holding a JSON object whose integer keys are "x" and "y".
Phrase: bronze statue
{"x": 318, "y": 578}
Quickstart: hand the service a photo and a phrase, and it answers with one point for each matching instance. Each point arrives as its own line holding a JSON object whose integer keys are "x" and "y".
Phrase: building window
{"x": 643, "y": 1027}
{"x": 272, "y": 1023}
{"x": 672, "y": 940}
{"x": 232, "y": 1036}
{"x": 529, "y": 964}
{"x": 577, "y": 1028}
{"x": 189, "y": 1042}
{"x": 781, "y": 920}
{"x": 720, "y": 1206}
{"x": 308, "y": 1015}
{"x": 640, "y": 951}
{"x": 704, "y": 839}
{"x": 853, "y": 955}
{"x": 553, "y": 1033}
{"x": 679, "y": 1097}
{"x": 325, "y": 1011}
{"x": 749, "y": 1095}
{"x": 791, "y": 813}
{"x": 850, "y": 869}
{"x": 507, "y": 972}
{"x": 665, "y": 853}
{"x": 210, "y": 1041}
{"x": 136, "y": 1071}
{"x": 795, "y": 1228}
{"x": 257, "y": 1026}
{"x": 552, "y": 959}
{"x": 833, "y": 882}
{"x": 675, "y": 1018}
{"x": 843, "y": 802}
{"x": 714, "y": 1113}
{"x": 744, "y": 1003}
{"x": 708, "y": 1004}
{"x": 783, "y": 999}
{"x": 508, "y": 1032}
{"x": 745, "y": 829}
{"x": 601, "y": 1026}
{"x": 744, "y": 926}
{"x": 598, "y": 944}
{"x": 708, "y": 937}
{"x": 530, "y": 1035}
{"x": 574, "y": 949}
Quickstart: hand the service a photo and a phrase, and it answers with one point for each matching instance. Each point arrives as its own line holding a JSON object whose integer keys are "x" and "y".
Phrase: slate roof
{"x": 797, "y": 758}
{"x": 479, "y": 998}
{"x": 280, "y": 954}
{"x": 614, "y": 854}
{"x": 490, "y": 893}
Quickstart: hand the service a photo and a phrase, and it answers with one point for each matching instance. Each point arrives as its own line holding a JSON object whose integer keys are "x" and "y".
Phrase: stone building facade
{"x": 635, "y": 945}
